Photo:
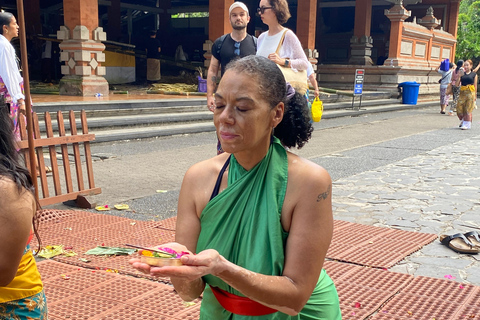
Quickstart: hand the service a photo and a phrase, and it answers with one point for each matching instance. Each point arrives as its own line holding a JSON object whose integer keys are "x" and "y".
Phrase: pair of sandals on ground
{"x": 462, "y": 243}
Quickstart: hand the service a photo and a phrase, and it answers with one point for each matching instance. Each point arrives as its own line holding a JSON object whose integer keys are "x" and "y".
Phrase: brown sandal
{"x": 459, "y": 243}
{"x": 473, "y": 237}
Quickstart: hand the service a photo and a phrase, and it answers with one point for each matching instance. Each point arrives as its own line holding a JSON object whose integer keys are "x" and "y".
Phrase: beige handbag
{"x": 297, "y": 79}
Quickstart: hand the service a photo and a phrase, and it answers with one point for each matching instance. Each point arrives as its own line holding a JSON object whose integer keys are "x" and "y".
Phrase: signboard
{"x": 358, "y": 86}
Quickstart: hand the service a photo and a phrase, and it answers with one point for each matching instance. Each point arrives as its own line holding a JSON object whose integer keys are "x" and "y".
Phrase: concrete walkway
{"x": 434, "y": 192}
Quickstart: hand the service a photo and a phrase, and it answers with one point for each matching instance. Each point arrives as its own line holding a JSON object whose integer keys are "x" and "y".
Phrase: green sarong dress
{"x": 243, "y": 224}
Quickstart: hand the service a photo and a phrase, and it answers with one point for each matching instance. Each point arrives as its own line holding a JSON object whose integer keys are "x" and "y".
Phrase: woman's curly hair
{"x": 280, "y": 7}
{"x": 295, "y": 129}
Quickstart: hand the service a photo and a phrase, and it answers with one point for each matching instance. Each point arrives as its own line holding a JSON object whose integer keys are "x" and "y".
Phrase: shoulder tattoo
{"x": 326, "y": 194}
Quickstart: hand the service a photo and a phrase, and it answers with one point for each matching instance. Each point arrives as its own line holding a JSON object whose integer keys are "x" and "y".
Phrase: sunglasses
{"x": 237, "y": 48}
{"x": 261, "y": 10}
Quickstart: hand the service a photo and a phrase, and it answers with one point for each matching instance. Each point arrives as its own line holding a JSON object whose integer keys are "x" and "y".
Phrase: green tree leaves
{"x": 468, "y": 36}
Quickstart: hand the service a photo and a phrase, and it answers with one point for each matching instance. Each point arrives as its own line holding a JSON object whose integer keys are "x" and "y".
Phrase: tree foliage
{"x": 468, "y": 36}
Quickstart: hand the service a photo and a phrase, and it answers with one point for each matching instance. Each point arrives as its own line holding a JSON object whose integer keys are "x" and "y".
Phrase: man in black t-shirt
{"x": 153, "y": 48}
{"x": 231, "y": 46}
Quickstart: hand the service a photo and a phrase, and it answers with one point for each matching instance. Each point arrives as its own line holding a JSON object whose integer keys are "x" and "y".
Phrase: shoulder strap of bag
{"x": 449, "y": 72}
{"x": 281, "y": 41}
{"x": 222, "y": 39}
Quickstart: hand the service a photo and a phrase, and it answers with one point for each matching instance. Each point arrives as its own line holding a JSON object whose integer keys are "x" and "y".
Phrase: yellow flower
{"x": 147, "y": 253}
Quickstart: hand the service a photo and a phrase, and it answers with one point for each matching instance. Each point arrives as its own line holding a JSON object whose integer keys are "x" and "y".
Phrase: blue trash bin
{"x": 409, "y": 92}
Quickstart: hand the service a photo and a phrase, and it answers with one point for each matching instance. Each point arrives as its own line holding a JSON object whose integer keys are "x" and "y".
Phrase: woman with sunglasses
{"x": 21, "y": 289}
{"x": 275, "y": 13}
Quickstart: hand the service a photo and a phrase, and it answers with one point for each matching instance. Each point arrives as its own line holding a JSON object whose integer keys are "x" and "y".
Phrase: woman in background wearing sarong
{"x": 11, "y": 82}
{"x": 468, "y": 95}
{"x": 258, "y": 217}
{"x": 21, "y": 289}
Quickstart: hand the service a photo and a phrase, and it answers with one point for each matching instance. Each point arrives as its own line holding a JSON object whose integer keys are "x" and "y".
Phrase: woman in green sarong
{"x": 258, "y": 217}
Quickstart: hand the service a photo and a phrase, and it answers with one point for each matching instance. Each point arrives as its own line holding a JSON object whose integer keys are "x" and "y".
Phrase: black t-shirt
{"x": 227, "y": 49}
{"x": 152, "y": 46}
{"x": 467, "y": 79}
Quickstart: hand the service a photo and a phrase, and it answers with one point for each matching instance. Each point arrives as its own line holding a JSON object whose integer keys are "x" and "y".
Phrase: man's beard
{"x": 239, "y": 27}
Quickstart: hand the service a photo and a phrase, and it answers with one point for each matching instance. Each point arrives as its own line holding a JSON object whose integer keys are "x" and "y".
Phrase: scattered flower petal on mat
{"x": 68, "y": 228}
{"x": 111, "y": 270}
{"x": 461, "y": 287}
{"x": 64, "y": 277}
{"x": 133, "y": 223}
{"x": 189, "y": 304}
{"x": 84, "y": 260}
{"x": 410, "y": 313}
{"x": 358, "y": 305}
{"x": 353, "y": 313}
{"x": 449, "y": 276}
{"x": 370, "y": 241}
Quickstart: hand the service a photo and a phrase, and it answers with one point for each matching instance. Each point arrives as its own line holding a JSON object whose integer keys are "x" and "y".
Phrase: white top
{"x": 9, "y": 70}
{"x": 291, "y": 48}
{"x": 447, "y": 78}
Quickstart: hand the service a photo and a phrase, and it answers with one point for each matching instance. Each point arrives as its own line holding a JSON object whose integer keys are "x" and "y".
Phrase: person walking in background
{"x": 444, "y": 81}
{"x": 11, "y": 82}
{"x": 455, "y": 88}
{"x": 153, "y": 48}
{"x": 468, "y": 95}
{"x": 275, "y": 13}
{"x": 21, "y": 289}
{"x": 234, "y": 45}
{"x": 313, "y": 80}
{"x": 237, "y": 44}
{"x": 262, "y": 233}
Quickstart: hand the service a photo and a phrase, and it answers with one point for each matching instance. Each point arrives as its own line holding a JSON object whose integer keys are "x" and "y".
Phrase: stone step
{"x": 128, "y": 133}
{"x": 165, "y": 115}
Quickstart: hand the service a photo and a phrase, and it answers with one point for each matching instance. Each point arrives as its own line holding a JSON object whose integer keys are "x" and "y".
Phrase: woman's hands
{"x": 194, "y": 266}
{"x": 276, "y": 58}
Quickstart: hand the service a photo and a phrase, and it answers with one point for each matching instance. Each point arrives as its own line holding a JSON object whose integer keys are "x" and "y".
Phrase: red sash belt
{"x": 240, "y": 305}
{"x": 30, "y": 237}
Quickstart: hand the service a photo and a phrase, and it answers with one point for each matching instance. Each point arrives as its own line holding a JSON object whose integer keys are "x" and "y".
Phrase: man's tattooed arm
{"x": 324, "y": 195}
{"x": 214, "y": 81}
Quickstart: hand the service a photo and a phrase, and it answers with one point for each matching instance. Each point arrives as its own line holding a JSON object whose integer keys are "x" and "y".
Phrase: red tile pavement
{"x": 80, "y": 290}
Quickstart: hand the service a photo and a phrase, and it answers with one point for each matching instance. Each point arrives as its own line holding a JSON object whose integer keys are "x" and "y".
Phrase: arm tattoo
{"x": 324, "y": 195}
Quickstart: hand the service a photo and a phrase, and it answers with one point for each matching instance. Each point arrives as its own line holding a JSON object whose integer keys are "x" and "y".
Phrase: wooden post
{"x": 28, "y": 101}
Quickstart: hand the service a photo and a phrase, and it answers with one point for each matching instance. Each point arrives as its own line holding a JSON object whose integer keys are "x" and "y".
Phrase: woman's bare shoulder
{"x": 305, "y": 172}
{"x": 205, "y": 170}
{"x": 12, "y": 195}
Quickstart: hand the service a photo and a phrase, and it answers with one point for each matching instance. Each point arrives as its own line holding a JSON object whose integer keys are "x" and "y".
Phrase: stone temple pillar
{"x": 397, "y": 15}
{"x": 82, "y": 50}
{"x": 218, "y": 25}
{"x": 306, "y": 28}
{"x": 361, "y": 43}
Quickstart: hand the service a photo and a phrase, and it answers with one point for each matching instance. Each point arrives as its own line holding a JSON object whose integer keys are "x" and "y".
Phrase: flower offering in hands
{"x": 162, "y": 257}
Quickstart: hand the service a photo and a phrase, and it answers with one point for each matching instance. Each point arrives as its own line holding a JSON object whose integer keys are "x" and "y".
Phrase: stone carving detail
{"x": 429, "y": 21}
{"x": 63, "y": 33}
{"x": 93, "y": 64}
{"x": 99, "y": 34}
{"x": 81, "y": 33}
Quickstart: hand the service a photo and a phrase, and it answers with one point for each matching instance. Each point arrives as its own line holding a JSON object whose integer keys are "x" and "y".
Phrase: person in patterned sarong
{"x": 21, "y": 289}
{"x": 256, "y": 220}
{"x": 11, "y": 82}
